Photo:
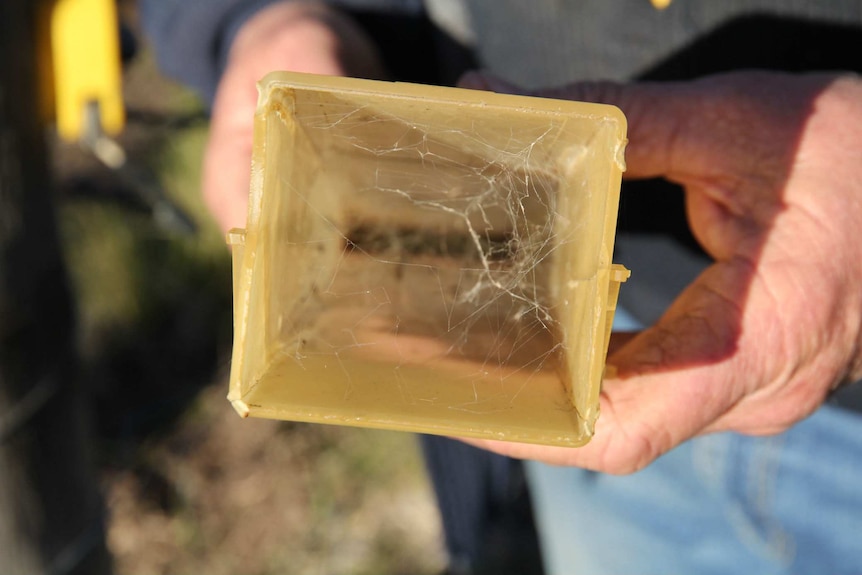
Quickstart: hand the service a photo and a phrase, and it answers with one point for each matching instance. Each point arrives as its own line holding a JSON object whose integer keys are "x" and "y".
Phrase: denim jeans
{"x": 720, "y": 504}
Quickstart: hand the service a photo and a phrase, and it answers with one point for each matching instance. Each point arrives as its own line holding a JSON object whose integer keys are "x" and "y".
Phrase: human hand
{"x": 296, "y": 36}
{"x": 770, "y": 165}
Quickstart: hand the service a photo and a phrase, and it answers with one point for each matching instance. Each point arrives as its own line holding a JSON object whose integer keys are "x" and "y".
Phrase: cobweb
{"x": 430, "y": 244}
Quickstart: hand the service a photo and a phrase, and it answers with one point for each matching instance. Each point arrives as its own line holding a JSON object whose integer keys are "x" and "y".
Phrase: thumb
{"x": 677, "y": 377}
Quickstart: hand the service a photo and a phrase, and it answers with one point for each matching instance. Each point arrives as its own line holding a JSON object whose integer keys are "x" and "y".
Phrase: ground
{"x": 221, "y": 495}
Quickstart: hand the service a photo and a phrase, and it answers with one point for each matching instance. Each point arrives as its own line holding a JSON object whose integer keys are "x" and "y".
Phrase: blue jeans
{"x": 719, "y": 504}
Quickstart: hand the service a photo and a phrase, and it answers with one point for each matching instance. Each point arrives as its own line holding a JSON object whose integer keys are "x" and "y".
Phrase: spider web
{"x": 432, "y": 244}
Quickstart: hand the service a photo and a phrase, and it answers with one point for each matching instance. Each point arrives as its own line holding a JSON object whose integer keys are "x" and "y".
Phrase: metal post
{"x": 51, "y": 515}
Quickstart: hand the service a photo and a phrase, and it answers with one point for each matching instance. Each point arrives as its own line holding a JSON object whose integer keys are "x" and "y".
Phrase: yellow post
{"x": 86, "y": 62}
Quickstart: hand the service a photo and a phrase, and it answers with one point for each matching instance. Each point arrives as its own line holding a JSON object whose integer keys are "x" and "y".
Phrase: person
{"x": 729, "y": 439}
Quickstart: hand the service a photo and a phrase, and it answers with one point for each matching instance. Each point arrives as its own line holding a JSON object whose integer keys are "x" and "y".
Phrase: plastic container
{"x": 427, "y": 259}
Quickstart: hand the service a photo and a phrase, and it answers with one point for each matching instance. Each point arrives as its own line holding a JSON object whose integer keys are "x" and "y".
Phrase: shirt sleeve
{"x": 191, "y": 38}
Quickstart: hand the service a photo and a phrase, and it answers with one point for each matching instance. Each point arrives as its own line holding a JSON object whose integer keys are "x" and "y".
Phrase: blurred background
{"x": 186, "y": 486}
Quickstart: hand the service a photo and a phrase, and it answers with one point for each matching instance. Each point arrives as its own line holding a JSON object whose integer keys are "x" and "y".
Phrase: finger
{"x": 654, "y": 112}
{"x": 226, "y": 176}
{"x": 227, "y": 157}
{"x": 674, "y": 380}
{"x": 702, "y": 130}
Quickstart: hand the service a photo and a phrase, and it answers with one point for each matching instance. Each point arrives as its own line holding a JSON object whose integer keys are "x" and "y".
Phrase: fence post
{"x": 51, "y": 514}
